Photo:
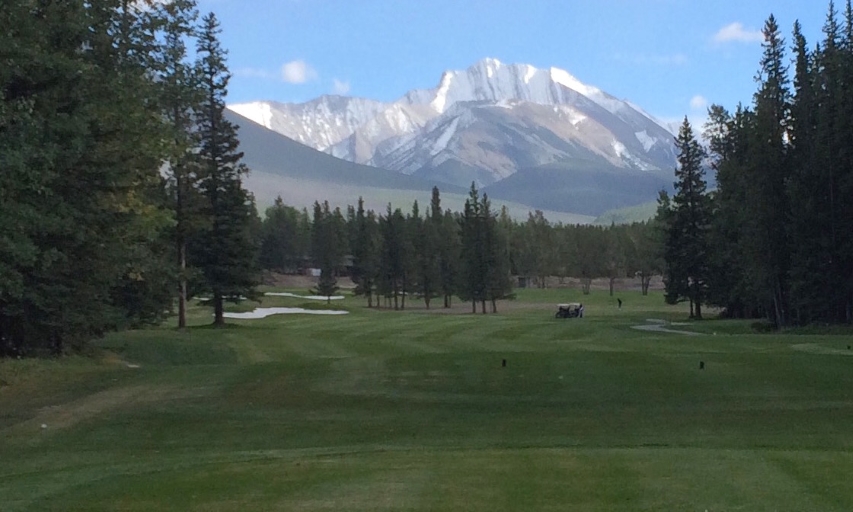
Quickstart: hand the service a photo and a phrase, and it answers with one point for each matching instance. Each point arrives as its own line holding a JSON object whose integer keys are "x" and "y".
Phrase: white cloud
{"x": 297, "y": 72}
{"x": 340, "y": 87}
{"x": 698, "y": 102}
{"x": 735, "y": 32}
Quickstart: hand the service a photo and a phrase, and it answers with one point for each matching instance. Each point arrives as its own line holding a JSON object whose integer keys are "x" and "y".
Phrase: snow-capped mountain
{"x": 319, "y": 123}
{"x": 484, "y": 123}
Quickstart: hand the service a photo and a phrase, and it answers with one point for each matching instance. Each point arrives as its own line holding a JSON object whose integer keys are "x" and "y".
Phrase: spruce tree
{"x": 426, "y": 245}
{"x": 446, "y": 247}
{"x": 767, "y": 211}
{"x": 80, "y": 151}
{"x": 327, "y": 285}
{"x": 498, "y": 278}
{"x": 689, "y": 224}
{"x": 180, "y": 97}
{"x": 472, "y": 283}
{"x": 365, "y": 252}
{"x": 225, "y": 248}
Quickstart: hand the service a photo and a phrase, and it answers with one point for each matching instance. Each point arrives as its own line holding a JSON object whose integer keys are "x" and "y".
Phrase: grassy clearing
{"x": 382, "y": 410}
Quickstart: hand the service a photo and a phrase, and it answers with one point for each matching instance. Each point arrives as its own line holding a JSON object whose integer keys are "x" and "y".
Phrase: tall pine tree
{"x": 225, "y": 248}
{"x": 688, "y": 225}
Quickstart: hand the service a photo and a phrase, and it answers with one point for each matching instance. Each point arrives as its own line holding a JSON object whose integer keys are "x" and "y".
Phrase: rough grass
{"x": 383, "y": 410}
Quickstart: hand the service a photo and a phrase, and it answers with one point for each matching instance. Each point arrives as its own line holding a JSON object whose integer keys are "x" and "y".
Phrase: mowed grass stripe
{"x": 413, "y": 410}
{"x": 532, "y": 479}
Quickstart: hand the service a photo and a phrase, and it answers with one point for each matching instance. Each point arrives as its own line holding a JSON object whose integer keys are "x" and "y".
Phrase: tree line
{"x": 120, "y": 179}
{"x": 439, "y": 254}
{"x": 773, "y": 240}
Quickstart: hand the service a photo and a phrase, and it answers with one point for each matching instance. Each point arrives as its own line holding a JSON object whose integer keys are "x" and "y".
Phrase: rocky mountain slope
{"x": 487, "y": 123}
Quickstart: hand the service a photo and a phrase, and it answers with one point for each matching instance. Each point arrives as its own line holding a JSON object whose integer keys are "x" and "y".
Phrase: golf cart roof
{"x": 569, "y": 305}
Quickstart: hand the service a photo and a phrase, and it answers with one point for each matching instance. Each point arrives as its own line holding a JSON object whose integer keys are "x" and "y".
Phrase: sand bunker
{"x": 655, "y": 325}
{"x": 265, "y": 312}
{"x": 309, "y": 297}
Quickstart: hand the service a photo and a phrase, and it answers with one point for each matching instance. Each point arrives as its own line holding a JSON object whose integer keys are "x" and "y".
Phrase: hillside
{"x": 639, "y": 213}
{"x": 301, "y": 175}
{"x": 579, "y": 186}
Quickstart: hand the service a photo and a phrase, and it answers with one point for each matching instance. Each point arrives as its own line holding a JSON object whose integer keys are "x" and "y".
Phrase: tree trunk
{"x": 474, "y": 306}
{"x": 494, "y": 306}
{"x": 182, "y": 285}
{"x": 778, "y": 305}
{"x": 182, "y": 248}
{"x": 698, "y": 310}
{"x": 483, "y": 306}
{"x": 218, "y": 310}
{"x": 691, "y": 307}
{"x": 612, "y": 279}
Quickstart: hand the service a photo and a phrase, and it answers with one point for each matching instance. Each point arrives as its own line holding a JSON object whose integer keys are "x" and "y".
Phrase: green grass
{"x": 382, "y": 410}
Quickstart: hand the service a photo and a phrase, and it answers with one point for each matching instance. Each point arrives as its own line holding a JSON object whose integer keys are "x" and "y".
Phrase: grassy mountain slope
{"x": 578, "y": 186}
{"x": 639, "y": 213}
{"x": 302, "y": 193}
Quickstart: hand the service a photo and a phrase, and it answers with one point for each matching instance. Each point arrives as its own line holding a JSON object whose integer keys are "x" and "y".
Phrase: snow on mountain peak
{"x": 494, "y": 81}
{"x": 479, "y": 117}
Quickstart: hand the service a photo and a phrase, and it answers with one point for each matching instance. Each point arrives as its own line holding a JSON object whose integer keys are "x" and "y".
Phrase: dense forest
{"x": 773, "y": 240}
{"x": 440, "y": 254}
{"x": 120, "y": 189}
{"x": 121, "y": 193}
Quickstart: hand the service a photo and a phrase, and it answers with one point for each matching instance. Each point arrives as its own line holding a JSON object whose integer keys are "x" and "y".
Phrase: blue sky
{"x": 671, "y": 57}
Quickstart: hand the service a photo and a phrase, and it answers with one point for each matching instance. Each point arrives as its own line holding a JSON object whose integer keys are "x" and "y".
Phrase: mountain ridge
{"x": 486, "y": 124}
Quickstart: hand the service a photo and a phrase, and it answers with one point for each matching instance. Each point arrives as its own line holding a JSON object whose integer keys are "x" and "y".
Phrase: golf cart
{"x": 570, "y": 310}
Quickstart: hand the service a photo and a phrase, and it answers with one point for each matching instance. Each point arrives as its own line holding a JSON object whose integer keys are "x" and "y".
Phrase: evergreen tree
{"x": 689, "y": 224}
{"x": 764, "y": 240}
{"x": 225, "y": 249}
{"x": 180, "y": 97}
{"x": 282, "y": 245}
{"x": 79, "y": 150}
{"x": 328, "y": 237}
{"x": 451, "y": 247}
{"x": 472, "y": 285}
{"x": 426, "y": 249}
{"x": 811, "y": 223}
{"x": 392, "y": 261}
{"x": 615, "y": 255}
{"x": 729, "y": 141}
{"x": 498, "y": 280}
{"x": 365, "y": 251}
{"x": 327, "y": 285}
{"x": 445, "y": 249}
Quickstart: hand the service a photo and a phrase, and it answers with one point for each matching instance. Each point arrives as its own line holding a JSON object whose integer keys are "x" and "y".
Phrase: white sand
{"x": 265, "y": 312}
{"x": 309, "y": 297}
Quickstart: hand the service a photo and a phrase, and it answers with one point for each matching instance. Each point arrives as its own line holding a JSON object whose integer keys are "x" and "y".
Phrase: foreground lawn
{"x": 383, "y": 410}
